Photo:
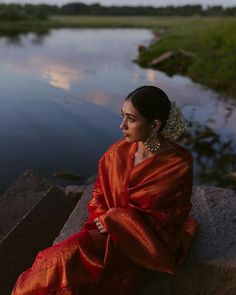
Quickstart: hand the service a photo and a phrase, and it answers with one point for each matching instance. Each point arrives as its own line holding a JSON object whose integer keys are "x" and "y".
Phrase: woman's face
{"x": 134, "y": 126}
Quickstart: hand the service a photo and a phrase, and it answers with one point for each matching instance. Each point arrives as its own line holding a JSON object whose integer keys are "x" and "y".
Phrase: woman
{"x": 138, "y": 214}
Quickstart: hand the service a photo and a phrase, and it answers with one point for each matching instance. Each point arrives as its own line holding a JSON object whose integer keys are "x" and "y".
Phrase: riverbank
{"x": 202, "y": 48}
{"x": 88, "y": 22}
{"x": 56, "y": 22}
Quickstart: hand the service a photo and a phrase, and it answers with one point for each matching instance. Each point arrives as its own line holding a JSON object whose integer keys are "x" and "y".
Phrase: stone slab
{"x": 215, "y": 208}
{"x": 77, "y": 217}
{"x": 35, "y": 230}
{"x": 19, "y": 199}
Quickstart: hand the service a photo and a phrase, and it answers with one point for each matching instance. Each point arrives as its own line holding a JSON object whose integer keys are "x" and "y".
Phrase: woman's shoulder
{"x": 182, "y": 152}
{"x": 109, "y": 153}
{"x": 115, "y": 145}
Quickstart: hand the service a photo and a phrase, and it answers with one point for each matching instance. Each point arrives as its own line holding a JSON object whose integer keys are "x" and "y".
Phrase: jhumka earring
{"x": 152, "y": 143}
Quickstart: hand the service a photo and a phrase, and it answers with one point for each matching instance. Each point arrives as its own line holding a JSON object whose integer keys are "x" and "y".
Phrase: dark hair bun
{"x": 152, "y": 103}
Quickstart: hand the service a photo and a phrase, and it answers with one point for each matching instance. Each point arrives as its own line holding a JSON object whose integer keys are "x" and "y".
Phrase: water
{"x": 60, "y": 99}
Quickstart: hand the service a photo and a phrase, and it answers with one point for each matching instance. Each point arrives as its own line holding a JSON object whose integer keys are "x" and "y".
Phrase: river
{"x": 60, "y": 99}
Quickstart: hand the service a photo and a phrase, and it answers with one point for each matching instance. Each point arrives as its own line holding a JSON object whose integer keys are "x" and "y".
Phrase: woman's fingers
{"x": 102, "y": 230}
{"x": 99, "y": 225}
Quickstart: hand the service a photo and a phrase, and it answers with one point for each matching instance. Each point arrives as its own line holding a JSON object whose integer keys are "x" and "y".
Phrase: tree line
{"x": 16, "y": 12}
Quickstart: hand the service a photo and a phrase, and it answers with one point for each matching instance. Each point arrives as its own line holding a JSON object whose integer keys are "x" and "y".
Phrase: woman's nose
{"x": 123, "y": 124}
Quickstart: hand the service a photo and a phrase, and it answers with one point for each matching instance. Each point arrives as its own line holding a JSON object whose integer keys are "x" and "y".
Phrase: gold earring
{"x": 152, "y": 143}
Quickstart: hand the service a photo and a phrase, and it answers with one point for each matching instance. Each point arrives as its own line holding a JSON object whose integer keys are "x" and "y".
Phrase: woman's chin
{"x": 128, "y": 139}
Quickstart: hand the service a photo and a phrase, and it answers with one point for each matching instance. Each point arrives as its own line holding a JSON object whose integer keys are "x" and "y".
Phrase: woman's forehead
{"x": 129, "y": 108}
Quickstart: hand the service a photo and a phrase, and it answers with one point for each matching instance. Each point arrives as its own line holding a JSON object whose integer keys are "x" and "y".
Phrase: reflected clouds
{"x": 98, "y": 97}
{"x": 56, "y": 73}
{"x": 60, "y": 76}
{"x": 151, "y": 75}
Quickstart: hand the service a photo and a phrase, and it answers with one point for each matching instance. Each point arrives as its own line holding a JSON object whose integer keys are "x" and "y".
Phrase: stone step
{"x": 34, "y": 212}
{"x": 19, "y": 199}
{"x": 77, "y": 217}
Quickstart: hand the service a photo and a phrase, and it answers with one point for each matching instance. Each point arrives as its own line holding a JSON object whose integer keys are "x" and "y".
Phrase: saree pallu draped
{"x": 145, "y": 211}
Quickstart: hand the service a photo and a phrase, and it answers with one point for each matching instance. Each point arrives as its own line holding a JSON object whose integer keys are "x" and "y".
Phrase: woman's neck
{"x": 143, "y": 151}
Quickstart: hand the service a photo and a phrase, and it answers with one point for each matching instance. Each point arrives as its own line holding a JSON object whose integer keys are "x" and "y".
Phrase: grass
{"x": 106, "y": 21}
{"x": 212, "y": 40}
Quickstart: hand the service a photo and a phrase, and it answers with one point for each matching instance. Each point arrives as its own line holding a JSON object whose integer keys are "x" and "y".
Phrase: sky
{"x": 156, "y": 3}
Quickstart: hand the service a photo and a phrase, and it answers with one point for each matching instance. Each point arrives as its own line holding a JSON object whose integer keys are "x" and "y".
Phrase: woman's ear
{"x": 156, "y": 125}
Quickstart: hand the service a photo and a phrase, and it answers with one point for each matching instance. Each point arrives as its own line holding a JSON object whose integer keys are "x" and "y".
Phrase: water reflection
{"x": 13, "y": 40}
{"x": 18, "y": 39}
{"x": 98, "y": 97}
{"x": 61, "y": 95}
{"x": 60, "y": 76}
{"x": 151, "y": 76}
{"x": 39, "y": 37}
{"x": 214, "y": 158}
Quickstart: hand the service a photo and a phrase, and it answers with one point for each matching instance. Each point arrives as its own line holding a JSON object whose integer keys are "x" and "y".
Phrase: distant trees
{"x": 75, "y": 8}
{"x": 185, "y": 10}
{"x": 17, "y": 12}
{"x": 10, "y": 12}
{"x": 230, "y": 11}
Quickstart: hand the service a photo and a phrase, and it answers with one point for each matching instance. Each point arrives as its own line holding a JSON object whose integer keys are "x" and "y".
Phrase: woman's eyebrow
{"x": 128, "y": 114}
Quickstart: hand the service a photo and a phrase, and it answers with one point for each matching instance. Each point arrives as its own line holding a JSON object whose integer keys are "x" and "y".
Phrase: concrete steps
{"x": 29, "y": 189}
{"x": 32, "y": 212}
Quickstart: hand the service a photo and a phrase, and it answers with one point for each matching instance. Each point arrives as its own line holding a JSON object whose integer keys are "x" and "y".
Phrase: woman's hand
{"x": 99, "y": 225}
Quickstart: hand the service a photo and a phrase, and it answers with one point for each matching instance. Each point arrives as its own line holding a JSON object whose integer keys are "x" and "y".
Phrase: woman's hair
{"x": 152, "y": 103}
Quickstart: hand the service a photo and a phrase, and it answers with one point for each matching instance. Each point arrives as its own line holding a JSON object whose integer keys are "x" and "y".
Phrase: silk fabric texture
{"x": 145, "y": 211}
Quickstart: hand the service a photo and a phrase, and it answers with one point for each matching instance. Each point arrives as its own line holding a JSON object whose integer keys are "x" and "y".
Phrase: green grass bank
{"x": 203, "y": 48}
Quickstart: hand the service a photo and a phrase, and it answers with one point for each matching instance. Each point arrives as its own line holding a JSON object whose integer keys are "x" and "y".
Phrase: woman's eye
{"x": 131, "y": 120}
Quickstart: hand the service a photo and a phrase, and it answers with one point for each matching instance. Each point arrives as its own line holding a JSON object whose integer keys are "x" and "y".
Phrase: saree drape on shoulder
{"x": 145, "y": 210}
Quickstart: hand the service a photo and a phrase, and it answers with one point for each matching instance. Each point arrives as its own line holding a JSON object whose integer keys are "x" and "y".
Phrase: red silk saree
{"x": 145, "y": 210}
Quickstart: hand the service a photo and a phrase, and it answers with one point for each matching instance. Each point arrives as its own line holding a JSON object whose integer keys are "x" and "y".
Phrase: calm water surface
{"x": 60, "y": 99}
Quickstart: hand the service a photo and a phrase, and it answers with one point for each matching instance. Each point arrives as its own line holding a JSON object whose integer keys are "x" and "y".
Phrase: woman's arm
{"x": 98, "y": 205}
{"x": 154, "y": 236}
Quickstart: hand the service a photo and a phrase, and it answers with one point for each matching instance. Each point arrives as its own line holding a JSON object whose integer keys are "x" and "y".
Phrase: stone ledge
{"x": 19, "y": 199}
{"x": 34, "y": 211}
{"x": 77, "y": 217}
{"x": 215, "y": 208}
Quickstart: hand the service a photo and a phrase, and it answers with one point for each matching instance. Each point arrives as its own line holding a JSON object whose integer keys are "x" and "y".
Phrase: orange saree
{"x": 145, "y": 210}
